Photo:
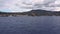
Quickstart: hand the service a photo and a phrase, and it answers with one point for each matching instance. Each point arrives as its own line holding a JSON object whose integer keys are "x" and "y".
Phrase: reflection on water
{"x": 30, "y": 25}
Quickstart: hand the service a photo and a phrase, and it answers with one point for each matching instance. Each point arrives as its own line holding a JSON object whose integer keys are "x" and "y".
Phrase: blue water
{"x": 30, "y": 25}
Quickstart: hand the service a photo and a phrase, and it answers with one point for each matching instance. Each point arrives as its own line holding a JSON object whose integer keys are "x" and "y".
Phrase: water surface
{"x": 30, "y": 25}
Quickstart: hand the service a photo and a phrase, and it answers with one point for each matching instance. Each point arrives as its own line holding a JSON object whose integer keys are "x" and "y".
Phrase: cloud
{"x": 15, "y": 5}
{"x": 50, "y": 5}
{"x": 27, "y": 5}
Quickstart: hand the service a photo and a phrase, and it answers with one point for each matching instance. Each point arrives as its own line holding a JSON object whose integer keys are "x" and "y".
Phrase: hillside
{"x": 43, "y": 13}
{"x": 33, "y": 13}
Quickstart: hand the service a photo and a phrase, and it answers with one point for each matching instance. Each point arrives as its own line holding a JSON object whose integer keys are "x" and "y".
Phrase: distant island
{"x": 33, "y": 13}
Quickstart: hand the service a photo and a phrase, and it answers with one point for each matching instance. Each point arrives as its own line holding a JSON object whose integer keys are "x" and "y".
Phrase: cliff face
{"x": 33, "y": 13}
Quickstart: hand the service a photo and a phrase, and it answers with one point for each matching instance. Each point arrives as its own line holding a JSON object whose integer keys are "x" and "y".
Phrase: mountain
{"x": 33, "y": 13}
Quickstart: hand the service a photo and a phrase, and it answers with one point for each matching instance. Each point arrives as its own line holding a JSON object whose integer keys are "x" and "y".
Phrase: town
{"x": 32, "y": 13}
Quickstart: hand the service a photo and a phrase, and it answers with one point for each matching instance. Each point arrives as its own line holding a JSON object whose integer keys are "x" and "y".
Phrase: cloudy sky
{"x": 27, "y": 5}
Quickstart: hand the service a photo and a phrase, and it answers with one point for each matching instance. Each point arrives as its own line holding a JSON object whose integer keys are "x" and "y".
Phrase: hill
{"x": 33, "y": 13}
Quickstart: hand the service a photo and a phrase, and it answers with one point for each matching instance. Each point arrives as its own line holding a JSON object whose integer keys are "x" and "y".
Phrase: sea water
{"x": 30, "y": 25}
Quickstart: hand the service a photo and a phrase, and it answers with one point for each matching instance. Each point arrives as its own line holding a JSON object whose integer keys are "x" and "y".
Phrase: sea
{"x": 30, "y": 25}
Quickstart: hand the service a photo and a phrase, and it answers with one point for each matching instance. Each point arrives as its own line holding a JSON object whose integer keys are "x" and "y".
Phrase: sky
{"x": 27, "y": 5}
